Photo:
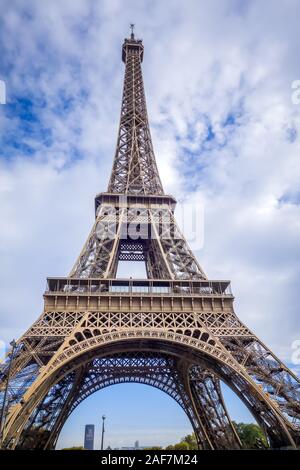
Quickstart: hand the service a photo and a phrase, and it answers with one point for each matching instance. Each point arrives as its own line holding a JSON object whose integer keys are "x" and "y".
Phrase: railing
{"x": 138, "y": 286}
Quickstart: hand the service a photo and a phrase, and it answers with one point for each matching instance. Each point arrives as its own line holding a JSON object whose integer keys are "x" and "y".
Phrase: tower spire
{"x": 134, "y": 168}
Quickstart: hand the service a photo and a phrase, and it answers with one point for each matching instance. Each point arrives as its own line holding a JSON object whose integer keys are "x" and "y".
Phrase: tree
{"x": 181, "y": 446}
{"x": 187, "y": 443}
{"x": 190, "y": 439}
{"x": 251, "y": 436}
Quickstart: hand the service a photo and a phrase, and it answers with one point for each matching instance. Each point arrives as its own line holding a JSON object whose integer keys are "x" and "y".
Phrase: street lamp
{"x": 3, "y": 410}
{"x": 103, "y": 431}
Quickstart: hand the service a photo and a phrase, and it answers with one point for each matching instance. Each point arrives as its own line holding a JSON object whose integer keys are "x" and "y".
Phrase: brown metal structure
{"x": 175, "y": 330}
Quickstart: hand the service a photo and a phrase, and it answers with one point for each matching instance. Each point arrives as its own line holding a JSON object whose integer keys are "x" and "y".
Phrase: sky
{"x": 218, "y": 76}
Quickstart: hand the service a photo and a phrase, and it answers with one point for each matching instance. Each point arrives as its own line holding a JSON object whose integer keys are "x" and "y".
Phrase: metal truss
{"x": 176, "y": 330}
{"x": 134, "y": 168}
{"x": 155, "y": 369}
{"x": 137, "y": 234}
{"x": 273, "y": 377}
{"x": 206, "y": 392}
{"x": 93, "y": 331}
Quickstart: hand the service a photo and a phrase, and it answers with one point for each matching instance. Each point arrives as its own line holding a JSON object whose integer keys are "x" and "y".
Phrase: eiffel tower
{"x": 175, "y": 330}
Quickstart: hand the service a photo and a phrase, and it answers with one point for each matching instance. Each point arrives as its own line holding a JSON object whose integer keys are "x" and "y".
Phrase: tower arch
{"x": 176, "y": 312}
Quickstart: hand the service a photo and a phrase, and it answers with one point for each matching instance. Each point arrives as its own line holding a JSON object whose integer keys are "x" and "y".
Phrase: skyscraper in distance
{"x": 89, "y": 436}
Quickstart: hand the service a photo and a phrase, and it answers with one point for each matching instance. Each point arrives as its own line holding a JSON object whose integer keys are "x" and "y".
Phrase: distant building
{"x": 135, "y": 447}
{"x": 89, "y": 436}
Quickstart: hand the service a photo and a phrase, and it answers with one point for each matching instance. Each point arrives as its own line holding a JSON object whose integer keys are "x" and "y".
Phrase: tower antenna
{"x": 132, "y": 25}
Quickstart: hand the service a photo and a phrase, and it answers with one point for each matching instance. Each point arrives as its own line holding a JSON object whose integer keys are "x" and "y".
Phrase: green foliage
{"x": 181, "y": 446}
{"x": 251, "y": 436}
{"x": 74, "y": 448}
{"x": 153, "y": 448}
{"x": 190, "y": 439}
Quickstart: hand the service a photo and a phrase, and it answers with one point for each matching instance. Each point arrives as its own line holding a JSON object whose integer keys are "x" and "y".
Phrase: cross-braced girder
{"x": 137, "y": 234}
{"x": 206, "y": 391}
{"x": 279, "y": 431}
{"x": 165, "y": 372}
{"x": 134, "y": 168}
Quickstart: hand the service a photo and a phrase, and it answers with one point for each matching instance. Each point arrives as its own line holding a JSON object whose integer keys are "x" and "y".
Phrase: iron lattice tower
{"x": 175, "y": 330}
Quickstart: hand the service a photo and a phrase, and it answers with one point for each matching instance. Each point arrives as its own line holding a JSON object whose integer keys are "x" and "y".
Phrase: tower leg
{"x": 206, "y": 395}
{"x": 198, "y": 393}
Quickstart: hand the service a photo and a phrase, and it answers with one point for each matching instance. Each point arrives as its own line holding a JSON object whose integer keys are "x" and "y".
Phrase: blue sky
{"x": 218, "y": 79}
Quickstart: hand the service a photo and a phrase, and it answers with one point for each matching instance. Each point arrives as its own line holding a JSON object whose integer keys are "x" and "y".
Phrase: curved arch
{"x": 205, "y": 344}
{"x": 163, "y": 383}
{"x": 112, "y": 379}
{"x": 67, "y": 359}
{"x": 162, "y": 376}
{"x": 203, "y": 341}
{"x": 53, "y": 439}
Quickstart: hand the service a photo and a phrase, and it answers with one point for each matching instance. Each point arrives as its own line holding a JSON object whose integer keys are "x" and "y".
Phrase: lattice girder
{"x": 134, "y": 167}
{"x": 152, "y": 368}
{"x": 154, "y": 230}
{"x": 86, "y": 338}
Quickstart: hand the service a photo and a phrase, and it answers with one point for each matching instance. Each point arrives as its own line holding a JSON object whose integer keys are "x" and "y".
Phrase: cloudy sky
{"x": 218, "y": 77}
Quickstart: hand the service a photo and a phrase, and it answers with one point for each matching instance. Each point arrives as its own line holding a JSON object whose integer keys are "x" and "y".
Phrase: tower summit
{"x": 134, "y": 167}
{"x": 175, "y": 330}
